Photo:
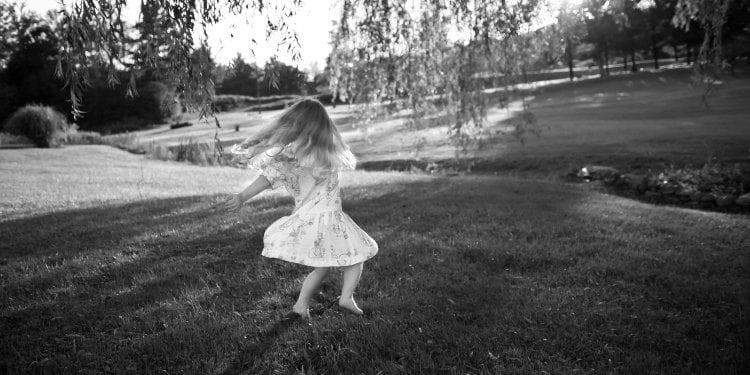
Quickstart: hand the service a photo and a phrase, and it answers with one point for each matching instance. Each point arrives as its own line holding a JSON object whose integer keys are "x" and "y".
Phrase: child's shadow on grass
{"x": 249, "y": 353}
{"x": 131, "y": 260}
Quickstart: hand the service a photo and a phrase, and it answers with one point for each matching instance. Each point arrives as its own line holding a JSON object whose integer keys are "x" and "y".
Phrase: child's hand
{"x": 233, "y": 203}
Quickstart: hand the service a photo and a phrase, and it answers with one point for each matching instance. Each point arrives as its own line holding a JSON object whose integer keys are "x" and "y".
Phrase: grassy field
{"x": 112, "y": 263}
{"x": 630, "y": 121}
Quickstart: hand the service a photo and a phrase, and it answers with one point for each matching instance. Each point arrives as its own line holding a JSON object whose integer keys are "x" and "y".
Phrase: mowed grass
{"x": 634, "y": 122}
{"x": 474, "y": 275}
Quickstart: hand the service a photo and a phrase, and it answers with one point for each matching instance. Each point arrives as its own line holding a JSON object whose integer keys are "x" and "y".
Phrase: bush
{"x": 12, "y": 139}
{"x": 84, "y": 138}
{"x": 44, "y": 126}
{"x": 108, "y": 110}
{"x": 192, "y": 151}
{"x": 156, "y": 102}
{"x": 125, "y": 141}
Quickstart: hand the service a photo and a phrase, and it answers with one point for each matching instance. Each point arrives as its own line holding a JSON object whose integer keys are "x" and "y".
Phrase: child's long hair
{"x": 307, "y": 133}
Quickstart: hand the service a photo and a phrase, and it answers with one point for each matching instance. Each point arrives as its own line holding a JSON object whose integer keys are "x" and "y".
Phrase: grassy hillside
{"x": 110, "y": 263}
{"x": 631, "y": 121}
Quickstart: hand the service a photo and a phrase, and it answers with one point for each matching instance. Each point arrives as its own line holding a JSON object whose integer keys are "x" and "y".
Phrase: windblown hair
{"x": 306, "y": 133}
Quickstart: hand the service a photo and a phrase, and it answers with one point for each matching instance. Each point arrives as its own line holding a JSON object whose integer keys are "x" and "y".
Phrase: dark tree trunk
{"x": 570, "y": 69}
{"x": 688, "y": 54}
{"x": 606, "y": 61}
{"x": 655, "y": 53}
{"x": 634, "y": 67}
{"x": 569, "y": 57}
{"x": 676, "y": 52}
{"x": 624, "y": 61}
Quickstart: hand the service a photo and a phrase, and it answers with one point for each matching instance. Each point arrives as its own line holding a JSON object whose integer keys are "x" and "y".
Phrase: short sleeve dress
{"x": 317, "y": 233}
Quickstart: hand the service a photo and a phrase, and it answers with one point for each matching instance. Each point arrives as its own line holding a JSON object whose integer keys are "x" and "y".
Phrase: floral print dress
{"x": 317, "y": 233}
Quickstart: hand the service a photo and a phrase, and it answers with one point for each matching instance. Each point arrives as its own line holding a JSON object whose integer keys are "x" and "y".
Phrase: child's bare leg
{"x": 350, "y": 281}
{"x": 309, "y": 286}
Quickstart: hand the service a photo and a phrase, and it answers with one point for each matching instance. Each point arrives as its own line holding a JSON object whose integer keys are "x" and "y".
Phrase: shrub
{"x": 12, "y": 139}
{"x": 156, "y": 102}
{"x": 44, "y": 126}
{"x": 160, "y": 152}
{"x": 194, "y": 152}
{"x": 191, "y": 151}
{"x": 125, "y": 141}
{"x": 83, "y": 138}
{"x": 108, "y": 110}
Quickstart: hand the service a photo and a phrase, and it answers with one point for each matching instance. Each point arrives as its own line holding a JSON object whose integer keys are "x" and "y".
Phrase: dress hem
{"x": 321, "y": 264}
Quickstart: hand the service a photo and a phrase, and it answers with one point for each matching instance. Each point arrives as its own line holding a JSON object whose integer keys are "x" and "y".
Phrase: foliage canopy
{"x": 429, "y": 56}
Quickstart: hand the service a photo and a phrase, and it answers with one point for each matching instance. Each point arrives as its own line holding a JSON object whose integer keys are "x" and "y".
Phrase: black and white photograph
{"x": 374, "y": 187}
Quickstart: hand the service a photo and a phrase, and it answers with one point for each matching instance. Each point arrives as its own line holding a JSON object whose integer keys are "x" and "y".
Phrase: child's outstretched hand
{"x": 233, "y": 203}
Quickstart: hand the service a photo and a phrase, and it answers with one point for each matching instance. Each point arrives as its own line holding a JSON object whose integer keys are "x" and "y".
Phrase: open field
{"x": 112, "y": 263}
{"x": 630, "y": 121}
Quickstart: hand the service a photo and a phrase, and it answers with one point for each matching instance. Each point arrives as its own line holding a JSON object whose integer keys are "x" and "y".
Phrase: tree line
{"x": 393, "y": 51}
{"x": 120, "y": 98}
{"x": 627, "y": 30}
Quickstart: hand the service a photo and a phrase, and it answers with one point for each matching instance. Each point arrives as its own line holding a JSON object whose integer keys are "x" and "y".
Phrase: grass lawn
{"x": 631, "y": 121}
{"x": 636, "y": 122}
{"x": 111, "y": 263}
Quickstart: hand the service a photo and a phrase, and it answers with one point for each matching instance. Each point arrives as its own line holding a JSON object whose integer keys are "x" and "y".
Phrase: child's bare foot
{"x": 350, "y": 305}
{"x": 302, "y": 311}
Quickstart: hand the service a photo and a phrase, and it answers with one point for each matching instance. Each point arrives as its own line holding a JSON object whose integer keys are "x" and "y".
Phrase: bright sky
{"x": 234, "y": 34}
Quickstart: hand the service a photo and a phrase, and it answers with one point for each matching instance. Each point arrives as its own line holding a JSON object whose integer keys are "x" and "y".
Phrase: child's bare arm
{"x": 260, "y": 184}
{"x": 236, "y": 200}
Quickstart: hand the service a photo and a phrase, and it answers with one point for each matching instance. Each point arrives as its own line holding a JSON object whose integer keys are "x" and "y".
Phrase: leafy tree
{"x": 658, "y": 19}
{"x": 96, "y": 27}
{"x": 424, "y": 55}
{"x": 29, "y": 74}
{"x": 712, "y": 17}
{"x": 154, "y": 33}
{"x": 9, "y": 27}
{"x": 286, "y": 79}
{"x": 241, "y": 78}
{"x": 399, "y": 50}
{"x": 571, "y": 29}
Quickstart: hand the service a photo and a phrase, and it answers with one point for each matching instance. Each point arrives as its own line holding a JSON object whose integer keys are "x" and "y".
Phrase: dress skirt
{"x": 318, "y": 239}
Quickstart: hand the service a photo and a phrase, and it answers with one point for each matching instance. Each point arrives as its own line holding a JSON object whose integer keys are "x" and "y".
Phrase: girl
{"x": 304, "y": 153}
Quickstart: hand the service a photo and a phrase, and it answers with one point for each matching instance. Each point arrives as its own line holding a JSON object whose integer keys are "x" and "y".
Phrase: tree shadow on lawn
{"x": 156, "y": 268}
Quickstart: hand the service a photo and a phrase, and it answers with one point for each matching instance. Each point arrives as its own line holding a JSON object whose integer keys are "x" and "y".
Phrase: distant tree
{"x": 220, "y": 73}
{"x": 737, "y": 32}
{"x": 286, "y": 79}
{"x": 313, "y": 69}
{"x": 9, "y": 28}
{"x": 658, "y": 15}
{"x": 241, "y": 78}
{"x": 712, "y": 16}
{"x": 608, "y": 29}
{"x": 153, "y": 35}
{"x": 203, "y": 64}
{"x": 419, "y": 51}
{"x": 571, "y": 29}
{"x": 427, "y": 53}
{"x": 29, "y": 73}
{"x": 96, "y": 27}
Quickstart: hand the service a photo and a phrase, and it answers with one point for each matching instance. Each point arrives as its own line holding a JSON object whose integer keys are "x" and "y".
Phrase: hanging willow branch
{"x": 712, "y": 16}
{"x": 95, "y": 34}
{"x": 428, "y": 57}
